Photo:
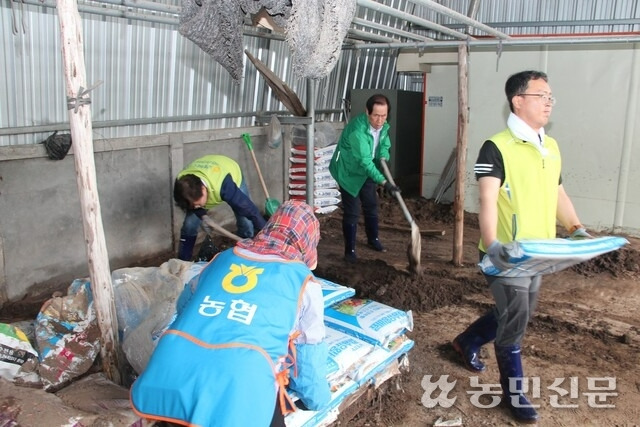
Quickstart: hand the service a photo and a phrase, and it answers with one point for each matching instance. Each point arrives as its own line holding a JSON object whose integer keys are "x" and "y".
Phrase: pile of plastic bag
{"x": 326, "y": 195}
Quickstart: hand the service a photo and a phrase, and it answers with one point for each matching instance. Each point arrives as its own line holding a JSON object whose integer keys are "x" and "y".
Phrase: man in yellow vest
{"x": 206, "y": 183}
{"x": 521, "y": 197}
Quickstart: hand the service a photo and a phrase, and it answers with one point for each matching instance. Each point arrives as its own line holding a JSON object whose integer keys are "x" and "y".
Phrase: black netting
{"x": 57, "y": 146}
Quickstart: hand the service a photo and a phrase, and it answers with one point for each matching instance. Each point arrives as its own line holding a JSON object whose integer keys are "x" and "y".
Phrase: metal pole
{"x": 534, "y": 41}
{"x": 460, "y": 17}
{"x": 311, "y": 112}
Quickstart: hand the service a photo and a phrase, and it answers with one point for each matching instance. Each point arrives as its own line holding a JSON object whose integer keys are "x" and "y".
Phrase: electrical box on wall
{"x": 405, "y": 132}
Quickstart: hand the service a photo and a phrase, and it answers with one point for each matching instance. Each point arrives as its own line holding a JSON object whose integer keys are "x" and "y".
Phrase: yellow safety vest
{"x": 212, "y": 169}
{"x": 528, "y": 197}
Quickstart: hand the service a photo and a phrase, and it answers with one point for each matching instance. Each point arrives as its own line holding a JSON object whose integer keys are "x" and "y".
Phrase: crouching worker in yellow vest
{"x": 250, "y": 324}
{"x": 203, "y": 185}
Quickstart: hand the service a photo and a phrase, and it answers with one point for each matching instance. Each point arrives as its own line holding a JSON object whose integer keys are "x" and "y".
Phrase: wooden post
{"x": 81, "y": 135}
{"x": 461, "y": 157}
{"x": 176, "y": 164}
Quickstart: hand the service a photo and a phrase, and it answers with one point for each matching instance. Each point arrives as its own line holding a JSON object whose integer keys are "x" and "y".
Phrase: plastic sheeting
{"x": 216, "y": 27}
{"x": 315, "y": 30}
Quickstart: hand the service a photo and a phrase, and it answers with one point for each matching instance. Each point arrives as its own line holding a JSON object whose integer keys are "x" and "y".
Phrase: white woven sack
{"x": 545, "y": 256}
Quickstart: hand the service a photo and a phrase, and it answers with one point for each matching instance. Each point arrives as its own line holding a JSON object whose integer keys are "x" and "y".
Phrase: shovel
{"x": 217, "y": 227}
{"x": 270, "y": 205}
{"x": 413, "y": 250}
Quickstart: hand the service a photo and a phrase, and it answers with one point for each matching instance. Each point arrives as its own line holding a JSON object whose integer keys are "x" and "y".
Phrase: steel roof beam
{"x": 430, "y": 4}
{"x": 531, "y": 41}
{"x": 388, "y": 10}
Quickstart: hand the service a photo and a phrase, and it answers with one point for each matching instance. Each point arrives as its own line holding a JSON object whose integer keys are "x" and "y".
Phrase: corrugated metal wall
{"x": 547, "y": 16}
{"x": 154, "y": 79}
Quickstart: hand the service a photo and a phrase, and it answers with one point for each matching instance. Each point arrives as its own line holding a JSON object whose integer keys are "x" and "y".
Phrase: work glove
{"x": 498, "y": 255}
{"x": 199, "y": 212}
{"x": 390, "y": 188}
{"x": 580, "y": 233}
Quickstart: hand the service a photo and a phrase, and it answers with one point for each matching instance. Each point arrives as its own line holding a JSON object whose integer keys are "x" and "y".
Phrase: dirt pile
{"x": 586, "y": 324}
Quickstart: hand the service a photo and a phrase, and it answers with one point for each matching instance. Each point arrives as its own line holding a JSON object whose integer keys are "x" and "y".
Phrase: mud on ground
{"x": 586, "y": 324}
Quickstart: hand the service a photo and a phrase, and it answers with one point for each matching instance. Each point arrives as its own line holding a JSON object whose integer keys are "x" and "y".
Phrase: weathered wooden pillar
{"x": 461, "y": 155}
{"x": 81, "y": 134}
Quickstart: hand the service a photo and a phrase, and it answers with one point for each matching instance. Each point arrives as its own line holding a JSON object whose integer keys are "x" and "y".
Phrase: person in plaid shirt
{"x": 250, "y": 325}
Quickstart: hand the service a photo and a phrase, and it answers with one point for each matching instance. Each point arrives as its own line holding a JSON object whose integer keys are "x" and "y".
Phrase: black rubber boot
{"x": 185, "y": 249}
{"x": 468, "y": 343}
{"x": 371, "y": 228}
{"x": 349, "y": 232}
{"x": 510, "y": 365}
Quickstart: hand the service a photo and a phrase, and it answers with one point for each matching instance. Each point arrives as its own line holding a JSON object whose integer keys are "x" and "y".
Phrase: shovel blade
{"x": 414, "y": 249}
{"x": 271, "y": 206}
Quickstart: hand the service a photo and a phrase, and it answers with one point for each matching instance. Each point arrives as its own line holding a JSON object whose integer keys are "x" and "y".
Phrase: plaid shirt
{"x": 292, "y": 232}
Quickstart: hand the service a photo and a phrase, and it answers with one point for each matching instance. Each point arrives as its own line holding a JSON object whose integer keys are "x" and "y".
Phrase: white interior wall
{"x": 440, "y": 126}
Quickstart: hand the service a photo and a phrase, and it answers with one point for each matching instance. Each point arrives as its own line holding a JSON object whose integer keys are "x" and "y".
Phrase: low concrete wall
{"x": 41, "y": 233}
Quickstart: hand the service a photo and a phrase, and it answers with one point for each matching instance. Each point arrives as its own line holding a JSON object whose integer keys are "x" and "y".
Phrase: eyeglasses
{"x": 547, "y": 99}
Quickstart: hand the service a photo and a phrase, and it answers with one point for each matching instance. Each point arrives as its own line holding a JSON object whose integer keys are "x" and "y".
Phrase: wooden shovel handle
{"x": 264, "y": 186}
{"x": 211, "y": 223}
{"x": 247, "y": 140}
{"x": 387, "y": 174}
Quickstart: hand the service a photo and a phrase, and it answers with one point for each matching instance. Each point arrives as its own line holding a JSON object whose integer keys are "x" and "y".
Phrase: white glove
{"x": 498, "y": 255}
{"x": 580, "y": 233}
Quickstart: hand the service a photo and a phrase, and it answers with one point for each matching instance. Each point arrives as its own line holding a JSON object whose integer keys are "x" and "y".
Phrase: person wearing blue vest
{"x": 249, "y": 325}
{"x": 354, "y": 165}
{"x": 521, "y": 197}
{"x": 204, "y": 184}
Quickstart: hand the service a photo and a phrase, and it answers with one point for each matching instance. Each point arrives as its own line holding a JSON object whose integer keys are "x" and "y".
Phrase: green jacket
{"x": 528, "y": 198}
{"x": 352, "y": 162}
{"x": 212, "y": 169}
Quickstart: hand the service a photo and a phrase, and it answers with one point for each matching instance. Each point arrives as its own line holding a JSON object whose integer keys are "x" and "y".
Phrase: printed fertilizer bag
{"x": 380, "y": 358}
{"x": 324, "y": 183}
{"x": 301, "y": 168}
{"x": 301, "y": 150}
{"x": 18, "y": 358}
{"x": 545, "y": 256}
{"x": 67, "y": 335}
{"x": 323, "y": 192}
{"x": 371, "y": 321}
{"x": 325, "y": 416}
{"x": 325, "y": 209}
{"x": 320, "y": 176}
{"x": 333, "y": 292}
{"x": 346, "y": 353}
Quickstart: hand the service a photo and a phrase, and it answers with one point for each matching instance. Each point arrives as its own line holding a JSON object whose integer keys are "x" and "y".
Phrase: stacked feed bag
{"x": 367, "y": 345}
{"x": 326, "y": 195}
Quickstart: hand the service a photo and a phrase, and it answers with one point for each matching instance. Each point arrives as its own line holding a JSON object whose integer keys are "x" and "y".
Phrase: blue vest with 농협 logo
{"x": 218, "y": 364}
